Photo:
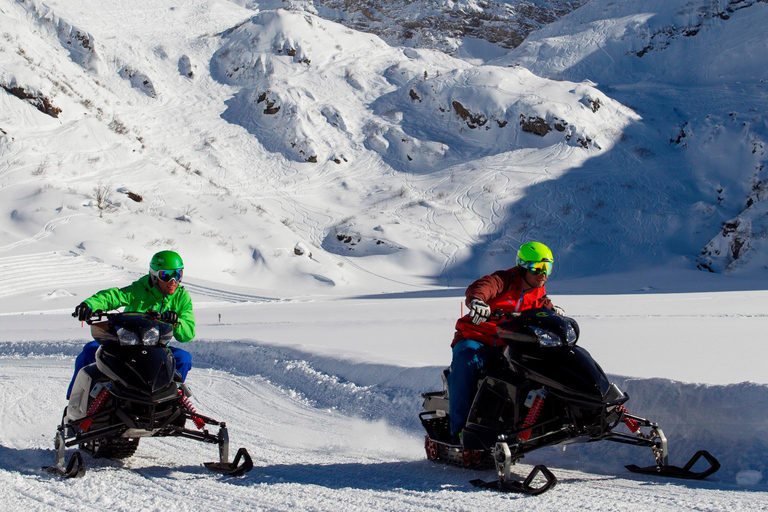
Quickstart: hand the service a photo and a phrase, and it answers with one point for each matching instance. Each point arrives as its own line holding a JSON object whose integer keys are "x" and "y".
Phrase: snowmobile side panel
{"x": 495, "y": 409}
{"x": 569, "y": 370}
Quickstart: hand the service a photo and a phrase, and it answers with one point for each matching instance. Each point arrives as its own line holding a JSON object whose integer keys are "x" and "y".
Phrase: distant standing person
{"x": 476, "y": 345}
{"x": 159, "y": 291}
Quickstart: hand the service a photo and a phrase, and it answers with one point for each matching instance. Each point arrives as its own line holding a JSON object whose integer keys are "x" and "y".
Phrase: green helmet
{"x": 166, "y": 266}
{"x": 536, "y": 258}
{"x": 166, "y": 260}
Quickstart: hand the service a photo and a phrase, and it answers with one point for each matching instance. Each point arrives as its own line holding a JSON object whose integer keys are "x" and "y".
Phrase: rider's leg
{"x": 183, "y": 361}
{"x": 468, "y": 364}
{"x": 86, "y": 357}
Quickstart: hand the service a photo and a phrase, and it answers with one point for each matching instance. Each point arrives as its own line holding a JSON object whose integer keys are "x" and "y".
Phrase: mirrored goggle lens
{"x": 539, "y": 267}
{"x": 170, "y": 275}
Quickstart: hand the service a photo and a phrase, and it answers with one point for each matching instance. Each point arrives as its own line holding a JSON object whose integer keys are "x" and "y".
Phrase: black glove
{"x": 83, "y": 311}
{"x": 169, "y": 317}
{"x": 479, "y": 311}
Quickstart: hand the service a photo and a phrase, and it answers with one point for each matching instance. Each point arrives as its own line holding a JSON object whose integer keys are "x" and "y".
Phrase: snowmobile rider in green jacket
{"x": 158, "y": 291}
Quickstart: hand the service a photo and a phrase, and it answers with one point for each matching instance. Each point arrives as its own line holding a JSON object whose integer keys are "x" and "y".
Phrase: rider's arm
{"x": 491, "y": 286}
{"x": 110, "y": 299}
{"x": 184, "y": 329}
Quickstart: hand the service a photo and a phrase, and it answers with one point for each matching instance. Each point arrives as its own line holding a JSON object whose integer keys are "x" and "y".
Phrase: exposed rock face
{"x": 728, "y": 247}
{"x": 34, "y": 98}
{"x": 441, "y": 25}
{"x": 138, "y": 80}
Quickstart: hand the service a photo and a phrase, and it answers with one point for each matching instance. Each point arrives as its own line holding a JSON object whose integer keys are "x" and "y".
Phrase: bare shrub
{"x": 40, "y": 169}
{"x": 102, "y": 193}
{"x": 166, "y": 242}
{"x": 118, "y": 127}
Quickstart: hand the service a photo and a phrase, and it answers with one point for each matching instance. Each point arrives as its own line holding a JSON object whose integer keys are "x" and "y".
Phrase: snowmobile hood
{"x": 144, "y": 370}
{"x": 567, "y": 370}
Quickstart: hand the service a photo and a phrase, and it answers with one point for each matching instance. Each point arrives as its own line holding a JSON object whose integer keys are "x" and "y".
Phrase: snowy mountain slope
{"x": 693, "y": 72}
{"x": 250, "y": 200}
{"x": 306, "y": 96}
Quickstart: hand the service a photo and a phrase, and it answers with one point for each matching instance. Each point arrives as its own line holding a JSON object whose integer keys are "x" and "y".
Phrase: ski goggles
{"x": 538, "y": 268}
{"x": 167, "y": 276}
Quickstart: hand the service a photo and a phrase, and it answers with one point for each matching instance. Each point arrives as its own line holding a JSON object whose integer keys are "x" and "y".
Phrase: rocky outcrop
{"x": 442, "y": 25}
{"x": 33, "y": 97}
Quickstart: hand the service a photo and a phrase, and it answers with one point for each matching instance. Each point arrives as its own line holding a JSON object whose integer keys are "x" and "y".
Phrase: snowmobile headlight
{"x": 570, "y": 335}
{"x": 152, "y": 336}
{"x": 127, "y": 337}
{"x": 547, "y": 338}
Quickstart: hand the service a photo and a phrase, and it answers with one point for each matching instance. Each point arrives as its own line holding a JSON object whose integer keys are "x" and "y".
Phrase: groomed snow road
{"x": 306, "y": 458}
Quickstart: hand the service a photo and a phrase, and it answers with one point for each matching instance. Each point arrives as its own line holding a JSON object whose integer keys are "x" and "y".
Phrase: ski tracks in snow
{"x": 47, "y": 231}
{"x": 50, "y": 271}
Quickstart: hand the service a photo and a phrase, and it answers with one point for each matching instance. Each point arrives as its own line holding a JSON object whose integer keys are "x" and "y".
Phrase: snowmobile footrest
{"x": 684, "y": 472}
{"x": 234, "y": 468}
{"x": 75, "y": 468}
{"x": 523, "y": 487}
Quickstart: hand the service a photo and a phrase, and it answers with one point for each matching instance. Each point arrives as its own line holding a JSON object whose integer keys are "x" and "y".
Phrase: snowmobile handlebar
{"x": 99, "y": 315}
{"x": 130, "y": 328}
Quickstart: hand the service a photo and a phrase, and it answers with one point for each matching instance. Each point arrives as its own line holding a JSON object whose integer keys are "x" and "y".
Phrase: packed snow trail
{"x": 306, "y": 458}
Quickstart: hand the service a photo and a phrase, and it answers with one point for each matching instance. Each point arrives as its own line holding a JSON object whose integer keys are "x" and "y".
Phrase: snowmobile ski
{"x": 523, "y": 487}
{"x": 684, "y": 472}
{"x": 234, "y": 468}
{"x": 74, "y": 469}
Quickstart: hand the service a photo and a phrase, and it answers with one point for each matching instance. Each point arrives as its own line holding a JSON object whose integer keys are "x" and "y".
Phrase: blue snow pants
{"x": 472, "y": 360}
{"x": 88, "y": 356}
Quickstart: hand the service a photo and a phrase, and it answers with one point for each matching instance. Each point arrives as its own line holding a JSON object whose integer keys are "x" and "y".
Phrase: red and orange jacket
{"x": 501, "y": 290}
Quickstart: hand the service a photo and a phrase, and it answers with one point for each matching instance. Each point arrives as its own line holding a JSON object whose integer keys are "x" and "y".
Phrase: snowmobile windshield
{"x": 130, "y": 329}
{"x": 540, "y": 327}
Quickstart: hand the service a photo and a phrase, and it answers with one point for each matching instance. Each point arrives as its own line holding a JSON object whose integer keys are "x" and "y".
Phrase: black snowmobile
{"x": 548, "y": 392}
{"x": 133, "y": 391}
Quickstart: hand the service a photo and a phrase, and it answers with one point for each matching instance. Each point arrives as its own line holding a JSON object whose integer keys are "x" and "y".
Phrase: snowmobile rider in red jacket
{"x": 476, "y": 347}
{"x": 159, "y": 291}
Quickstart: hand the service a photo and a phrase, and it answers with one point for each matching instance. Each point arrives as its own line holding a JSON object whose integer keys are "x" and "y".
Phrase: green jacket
{"x": 142, "y": 296}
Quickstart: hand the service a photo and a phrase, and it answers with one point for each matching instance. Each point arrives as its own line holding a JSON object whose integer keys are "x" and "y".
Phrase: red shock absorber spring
{"x": 94, "y": 408}
{"x": 197, "y": 420}
{"x": 631, "y": 424}
{"x": 533, "y": 415}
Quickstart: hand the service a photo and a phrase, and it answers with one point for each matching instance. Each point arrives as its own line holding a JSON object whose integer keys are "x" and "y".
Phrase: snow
{"x": 326, "y": 292}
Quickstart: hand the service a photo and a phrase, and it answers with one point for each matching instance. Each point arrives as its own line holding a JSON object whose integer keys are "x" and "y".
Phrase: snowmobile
{"x": 549, "y": 391}
{"x": 133, "y": 391}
